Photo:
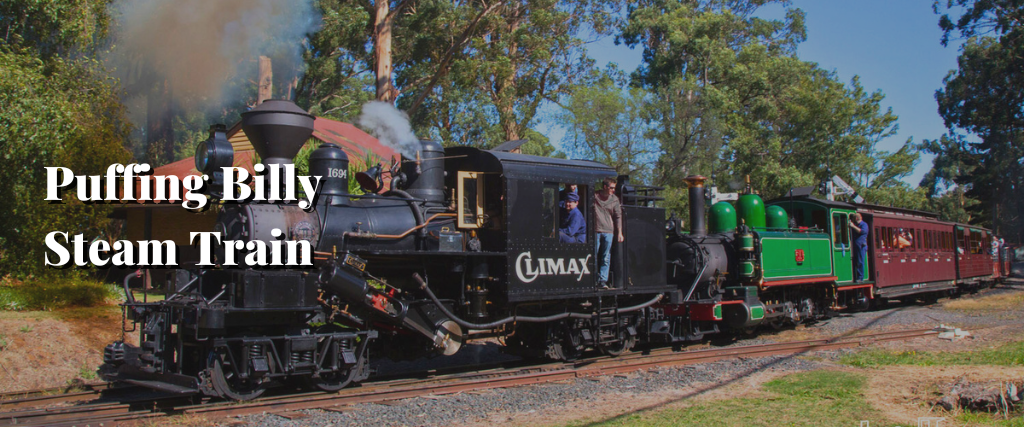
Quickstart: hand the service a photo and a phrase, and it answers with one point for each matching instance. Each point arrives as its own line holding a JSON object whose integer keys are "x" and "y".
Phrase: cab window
{"x": 471, "y": 199}
{"x": 549, "y": 210}
{"x": 841, "y": 229}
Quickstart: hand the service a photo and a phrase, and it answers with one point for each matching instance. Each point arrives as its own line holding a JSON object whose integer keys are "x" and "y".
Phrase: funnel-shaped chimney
{"x": 277, "y": 130}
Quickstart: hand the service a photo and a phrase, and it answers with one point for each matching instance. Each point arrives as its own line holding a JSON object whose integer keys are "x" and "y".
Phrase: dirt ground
{"x": 907, "y": 392}
{"x": 49, "y": 349}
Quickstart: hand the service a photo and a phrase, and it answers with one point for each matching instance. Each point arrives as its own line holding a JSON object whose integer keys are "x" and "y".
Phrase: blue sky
{"x": 893, "y": 45}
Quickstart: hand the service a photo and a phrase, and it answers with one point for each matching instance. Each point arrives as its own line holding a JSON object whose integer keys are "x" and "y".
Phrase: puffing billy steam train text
{"x": 466, "y": 240}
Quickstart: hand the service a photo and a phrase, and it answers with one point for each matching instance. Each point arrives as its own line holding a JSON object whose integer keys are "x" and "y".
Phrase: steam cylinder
{"x": 777, "y": 217}
{"x": 750, "y": 208}
{"x": 330, "y": 163}
{"x": 425, "y": 179}
{"x": 696, "y": 193}
{"x": 722, "y": 218}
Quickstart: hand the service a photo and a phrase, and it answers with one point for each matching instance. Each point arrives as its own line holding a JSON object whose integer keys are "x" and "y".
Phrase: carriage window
{"x": 917, "y": 238}
{"x": 471, "y": 199}
{"x": 878, "y": 240}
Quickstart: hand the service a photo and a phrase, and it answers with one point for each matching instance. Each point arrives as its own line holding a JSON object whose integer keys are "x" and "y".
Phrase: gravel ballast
{"x": 504, "y": 405}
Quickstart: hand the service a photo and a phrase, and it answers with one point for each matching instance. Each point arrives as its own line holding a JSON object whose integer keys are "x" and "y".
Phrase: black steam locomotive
{"x": 464, "y": 240}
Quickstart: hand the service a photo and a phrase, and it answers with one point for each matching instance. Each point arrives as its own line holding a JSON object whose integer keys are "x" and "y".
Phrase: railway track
{"x": 107, "y": 409}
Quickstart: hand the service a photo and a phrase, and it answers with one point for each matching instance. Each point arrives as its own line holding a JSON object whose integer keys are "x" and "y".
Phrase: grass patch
{"x": 818, "y": 398}
{"x": 3, "y": 342}
{"x": 87, "y": 373}
{"x": 1009, "y": 354}
{"x": 978, "y": 419}
{"x": 986, "y": 304}
{"x": 49, "y": 295}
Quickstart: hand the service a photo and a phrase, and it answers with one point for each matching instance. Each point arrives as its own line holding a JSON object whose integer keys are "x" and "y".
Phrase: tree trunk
{"x": 383, "y": 23}
{"x": 504, "y": 96}
{"x": 159, "y": 129}
{"x": 265, "y": 87}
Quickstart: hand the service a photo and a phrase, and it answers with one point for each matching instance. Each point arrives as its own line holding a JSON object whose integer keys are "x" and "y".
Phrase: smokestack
{"x": 277, "y": 130}
{"x": 696, "y": 185}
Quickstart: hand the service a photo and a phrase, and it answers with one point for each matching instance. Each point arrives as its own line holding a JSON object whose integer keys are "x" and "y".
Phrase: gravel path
{"x": 496, "y": 405}
{"x": 508, "y": 405}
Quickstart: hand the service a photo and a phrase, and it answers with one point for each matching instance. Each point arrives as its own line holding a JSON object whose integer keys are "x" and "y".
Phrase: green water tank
{"x": 723, "y": 218}
{"x": 750, "y": 208}
{"x": 777, "y": 218}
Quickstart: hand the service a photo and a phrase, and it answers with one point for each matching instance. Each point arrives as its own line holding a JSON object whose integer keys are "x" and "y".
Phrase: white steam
{"x": 390, "y": 126}
{"x": 198, "y": 46}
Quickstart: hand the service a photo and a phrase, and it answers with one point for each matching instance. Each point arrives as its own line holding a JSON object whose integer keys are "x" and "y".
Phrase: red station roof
{"x": 358, "y": 145}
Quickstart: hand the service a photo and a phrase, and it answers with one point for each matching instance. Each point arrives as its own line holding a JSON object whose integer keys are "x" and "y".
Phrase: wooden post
{"x": 265, "y": 89}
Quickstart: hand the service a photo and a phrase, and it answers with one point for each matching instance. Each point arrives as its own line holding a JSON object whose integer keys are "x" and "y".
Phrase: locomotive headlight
{"x": 202, "y": 156}
{"x": 214, "y": 153}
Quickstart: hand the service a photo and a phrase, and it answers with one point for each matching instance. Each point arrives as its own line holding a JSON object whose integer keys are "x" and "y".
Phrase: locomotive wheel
{"x": 567, "y": 346}
{"x": 228, "y": 385}
{"x": 777, "y": 323}
{"x": 616, "y": 349}
{"x": 334, "y": 381}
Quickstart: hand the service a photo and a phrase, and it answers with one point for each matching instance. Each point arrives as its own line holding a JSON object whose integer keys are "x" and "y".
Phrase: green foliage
{"x": 981, "y": 98}
{"x": 605, "y": 123}
{"x": 56, "y": 113}
{"x": 1010, "y": 354}
{"x": 3, "y": 342}
{"x": 25, "y": 329}
{"x": 338, "y": 79}
{"x": 729, "y": 98}
{"x": 53, "y": 294}
{"x": 53, "y": 27}
{"x": 509, "y": 59}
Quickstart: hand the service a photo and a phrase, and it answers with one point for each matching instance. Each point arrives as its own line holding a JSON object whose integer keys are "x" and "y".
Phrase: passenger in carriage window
{"x": 903, "y": 240}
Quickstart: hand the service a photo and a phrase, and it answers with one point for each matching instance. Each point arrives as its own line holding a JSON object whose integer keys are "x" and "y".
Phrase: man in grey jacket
{"x": 608, "y": 223}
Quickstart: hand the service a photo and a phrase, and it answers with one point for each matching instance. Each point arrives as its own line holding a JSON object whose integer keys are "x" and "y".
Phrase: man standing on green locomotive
{"x": 860, "y": 246}
{"x": 608, "y": 223}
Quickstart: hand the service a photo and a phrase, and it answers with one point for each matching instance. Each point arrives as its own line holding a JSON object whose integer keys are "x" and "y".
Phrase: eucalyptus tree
{"x": 983, "y": 97}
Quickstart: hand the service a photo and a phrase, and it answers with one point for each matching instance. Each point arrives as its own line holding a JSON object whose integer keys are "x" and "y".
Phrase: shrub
{"x": 73, "y": 291}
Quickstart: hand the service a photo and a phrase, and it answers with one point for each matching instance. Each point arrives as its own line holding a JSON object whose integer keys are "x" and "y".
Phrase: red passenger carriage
{"x": 911, "y": 252}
